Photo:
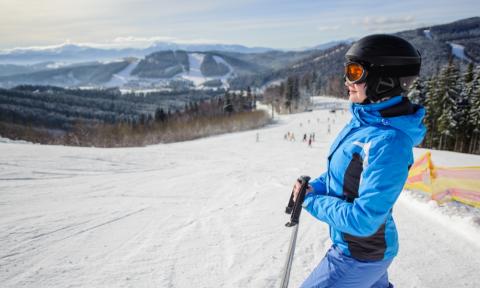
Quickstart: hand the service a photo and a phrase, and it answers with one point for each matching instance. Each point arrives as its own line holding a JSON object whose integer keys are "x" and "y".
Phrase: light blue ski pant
{"x": 342, "y": 271}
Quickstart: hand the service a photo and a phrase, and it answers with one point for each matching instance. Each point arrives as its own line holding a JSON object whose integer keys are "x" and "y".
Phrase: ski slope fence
{"x": 461, "y": 184}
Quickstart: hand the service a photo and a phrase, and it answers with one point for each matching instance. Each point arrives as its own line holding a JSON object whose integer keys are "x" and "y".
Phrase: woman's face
{"x": 357, "y": 93}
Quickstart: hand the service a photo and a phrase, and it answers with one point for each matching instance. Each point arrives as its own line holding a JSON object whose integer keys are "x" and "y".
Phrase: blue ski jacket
{"x": 367, "y": 168}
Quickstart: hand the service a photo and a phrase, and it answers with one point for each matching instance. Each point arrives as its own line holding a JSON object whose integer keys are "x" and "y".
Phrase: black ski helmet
{"x": 392, "y": 63}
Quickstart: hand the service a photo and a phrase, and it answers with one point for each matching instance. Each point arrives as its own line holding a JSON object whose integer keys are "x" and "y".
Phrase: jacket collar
{"x": 410, "y": 124}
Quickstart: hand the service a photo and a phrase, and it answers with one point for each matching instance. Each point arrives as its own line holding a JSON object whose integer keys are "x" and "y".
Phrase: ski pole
{"x": 294, "y": 208}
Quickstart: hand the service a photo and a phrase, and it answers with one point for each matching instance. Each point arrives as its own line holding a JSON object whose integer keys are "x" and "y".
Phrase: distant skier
{"x": 368, "y": 165}
{"x": 305, "y": 137}
{"x": 310, "y": 141}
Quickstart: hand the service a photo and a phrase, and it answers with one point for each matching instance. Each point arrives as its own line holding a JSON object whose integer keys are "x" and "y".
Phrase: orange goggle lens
{"x": 354, "y": 72}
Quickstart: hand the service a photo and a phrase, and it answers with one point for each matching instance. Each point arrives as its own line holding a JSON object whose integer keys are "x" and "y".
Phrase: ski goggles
{"x": 355, "y": 73}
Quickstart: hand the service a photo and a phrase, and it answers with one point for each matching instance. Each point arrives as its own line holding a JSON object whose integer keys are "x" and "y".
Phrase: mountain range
{"x": 172, "y": 66}
{"x": 74, "y": 53}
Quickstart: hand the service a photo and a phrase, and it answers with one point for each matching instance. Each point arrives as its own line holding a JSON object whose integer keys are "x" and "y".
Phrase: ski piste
{"x": 294, "y": 208}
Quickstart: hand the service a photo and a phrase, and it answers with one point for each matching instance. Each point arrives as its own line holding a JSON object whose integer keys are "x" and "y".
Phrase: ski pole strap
{"x": 295, "y": 208}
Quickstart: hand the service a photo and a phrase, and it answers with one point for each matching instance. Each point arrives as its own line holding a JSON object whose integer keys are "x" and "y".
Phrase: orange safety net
{"x": 444, "y": 184}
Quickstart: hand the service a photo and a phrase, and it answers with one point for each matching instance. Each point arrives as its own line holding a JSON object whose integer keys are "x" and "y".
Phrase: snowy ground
{"x": 203, "y": 213}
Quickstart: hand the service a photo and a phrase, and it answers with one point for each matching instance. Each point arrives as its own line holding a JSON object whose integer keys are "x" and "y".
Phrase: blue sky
{"x": 268, "y": 23}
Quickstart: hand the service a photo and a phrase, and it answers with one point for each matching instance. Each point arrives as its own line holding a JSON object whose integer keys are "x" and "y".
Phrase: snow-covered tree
{"x": 417, "y": 93}
{"x": 432, "y": 112}
{"x": 474, "y": 112}
{"x": 462, "y": 115}
{"x": 449, "y": 91}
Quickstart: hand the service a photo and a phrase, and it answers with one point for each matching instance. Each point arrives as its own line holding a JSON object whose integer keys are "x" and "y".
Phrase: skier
{"x": 367, "y": 165}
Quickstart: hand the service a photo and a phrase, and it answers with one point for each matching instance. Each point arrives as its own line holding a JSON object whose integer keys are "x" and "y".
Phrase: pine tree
{"x": 449, "y": 94}
{"x": 462, "y": 116}
{"x": 431, "y": 112}
{"x": 160, "y": 115}
{"x": 474, "y": 112}
{"x": 296, "y": 91}
{"x": 417, "y": 93}
{"x": 289, "y": 94}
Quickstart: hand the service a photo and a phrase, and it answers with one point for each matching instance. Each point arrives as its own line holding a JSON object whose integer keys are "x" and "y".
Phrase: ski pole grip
{"x": 295, "y": 208}
{"x": 289, "y": 207}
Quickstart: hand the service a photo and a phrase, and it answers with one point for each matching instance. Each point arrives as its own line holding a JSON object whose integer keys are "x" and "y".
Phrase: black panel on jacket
{"x": 369, "y": 248}
{"x": 351, "y": 180}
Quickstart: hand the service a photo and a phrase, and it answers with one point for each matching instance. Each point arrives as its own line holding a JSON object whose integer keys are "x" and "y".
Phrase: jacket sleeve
{"x": 318, "y": 185}
{"x": 381, "y": 183}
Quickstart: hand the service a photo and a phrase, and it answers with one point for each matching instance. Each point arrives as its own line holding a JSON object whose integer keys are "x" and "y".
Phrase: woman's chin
{"x": 352, "y": 97}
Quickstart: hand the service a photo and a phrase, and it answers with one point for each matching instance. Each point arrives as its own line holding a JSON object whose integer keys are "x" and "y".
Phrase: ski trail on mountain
{"x": 203, "y": 213}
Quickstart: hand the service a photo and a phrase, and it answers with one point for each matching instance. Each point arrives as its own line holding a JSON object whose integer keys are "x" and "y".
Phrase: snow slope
{"x": 123, "y": 77}
{"x": 459, "y": 52}
{"x": 203, "y": 213}
{"x": 428, "y": 34}
{"x": 195, "y": 74}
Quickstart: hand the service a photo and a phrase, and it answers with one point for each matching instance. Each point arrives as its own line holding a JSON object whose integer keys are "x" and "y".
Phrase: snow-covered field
{"x": 203, "y": 213}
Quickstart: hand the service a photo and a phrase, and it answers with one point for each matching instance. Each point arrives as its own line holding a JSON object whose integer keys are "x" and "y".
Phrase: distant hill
{"x": 85, "y": 74}
{"x": 459, "y": 40}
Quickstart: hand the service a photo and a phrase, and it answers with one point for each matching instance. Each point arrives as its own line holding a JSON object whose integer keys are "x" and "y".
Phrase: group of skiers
{"x": 290, "y": 136}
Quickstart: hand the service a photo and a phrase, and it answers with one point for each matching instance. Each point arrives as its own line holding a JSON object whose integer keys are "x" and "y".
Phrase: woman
{"x": 367, "y": 165}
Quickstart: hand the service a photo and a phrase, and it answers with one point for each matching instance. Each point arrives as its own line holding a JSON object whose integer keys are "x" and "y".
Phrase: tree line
{"x": 108, "y": 118}
{"x": 452, "y": 102}
{"x": 291, "y": 95}
{"x": 61, "y": 108}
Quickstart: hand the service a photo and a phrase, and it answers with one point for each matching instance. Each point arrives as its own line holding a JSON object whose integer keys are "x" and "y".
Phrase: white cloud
{"x": 384, "y": 21}
{"x": 133, "y": 40}
{"x": 329, "y": 28}
{"x": 120, "y": 42}
{"x": 385, "y": 24}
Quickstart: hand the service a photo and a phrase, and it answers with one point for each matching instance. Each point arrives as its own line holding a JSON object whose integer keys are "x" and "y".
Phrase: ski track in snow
{"x": 203, "y": 213}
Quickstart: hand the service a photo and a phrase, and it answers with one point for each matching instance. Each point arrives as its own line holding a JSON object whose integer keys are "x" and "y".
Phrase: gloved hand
{"x": 296, "y": 189}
